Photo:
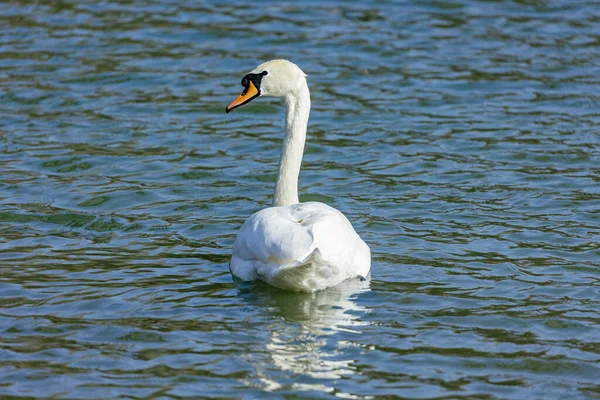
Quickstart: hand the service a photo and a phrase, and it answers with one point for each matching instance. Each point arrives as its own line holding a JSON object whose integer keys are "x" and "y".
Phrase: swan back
{"x": 304, "y": 247}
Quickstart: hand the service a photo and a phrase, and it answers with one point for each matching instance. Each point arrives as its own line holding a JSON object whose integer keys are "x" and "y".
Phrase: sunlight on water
{"x": 459, "y": 137}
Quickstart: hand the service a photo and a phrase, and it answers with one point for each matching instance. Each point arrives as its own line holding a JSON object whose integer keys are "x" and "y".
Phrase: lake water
{"x": 460, "y": 138}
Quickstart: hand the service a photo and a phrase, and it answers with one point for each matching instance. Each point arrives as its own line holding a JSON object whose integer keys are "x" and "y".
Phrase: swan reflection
{"x": 308, "y": 334}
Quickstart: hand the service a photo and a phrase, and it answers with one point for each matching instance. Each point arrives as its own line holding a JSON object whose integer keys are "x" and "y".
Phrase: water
{"x": 460, "y": 137}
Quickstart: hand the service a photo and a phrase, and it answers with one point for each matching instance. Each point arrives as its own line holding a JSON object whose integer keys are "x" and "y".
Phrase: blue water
{"x": 459, "y": 137}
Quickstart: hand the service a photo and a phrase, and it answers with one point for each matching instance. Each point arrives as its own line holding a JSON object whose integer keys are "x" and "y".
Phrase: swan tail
{"x": 308, "y": 275}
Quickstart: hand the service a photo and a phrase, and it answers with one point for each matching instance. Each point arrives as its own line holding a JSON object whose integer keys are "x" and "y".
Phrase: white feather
{"x": 303, "y": 247}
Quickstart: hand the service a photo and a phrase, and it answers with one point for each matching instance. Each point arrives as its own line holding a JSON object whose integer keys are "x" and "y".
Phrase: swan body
{"x": 292, "y": 245}
{"x": 302, "y": 247}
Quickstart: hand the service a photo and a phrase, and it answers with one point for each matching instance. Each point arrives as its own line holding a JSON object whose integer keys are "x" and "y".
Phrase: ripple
{"x": 459, "y": 137}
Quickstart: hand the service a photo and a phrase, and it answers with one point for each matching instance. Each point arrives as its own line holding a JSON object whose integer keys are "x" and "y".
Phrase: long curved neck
{"x": 298, "y": 108}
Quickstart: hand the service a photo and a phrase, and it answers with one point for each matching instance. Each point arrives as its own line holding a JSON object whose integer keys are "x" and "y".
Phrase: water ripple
{"x": 459, "y": 137}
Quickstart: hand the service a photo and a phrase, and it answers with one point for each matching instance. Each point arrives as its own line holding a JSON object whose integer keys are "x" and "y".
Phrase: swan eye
{"x": 254, "y": 78}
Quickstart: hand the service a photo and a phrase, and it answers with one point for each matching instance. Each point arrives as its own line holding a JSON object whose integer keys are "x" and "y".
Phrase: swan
{"x": 303, "y": 247}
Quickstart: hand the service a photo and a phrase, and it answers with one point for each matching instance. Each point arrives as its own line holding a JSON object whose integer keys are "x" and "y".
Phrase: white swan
{"x": 296, "y": 246}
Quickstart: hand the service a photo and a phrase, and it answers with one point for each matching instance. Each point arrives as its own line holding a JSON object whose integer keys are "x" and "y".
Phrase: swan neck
{"x": 297, "y": 111}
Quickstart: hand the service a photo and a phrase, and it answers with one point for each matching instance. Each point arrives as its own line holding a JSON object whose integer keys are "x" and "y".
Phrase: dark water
{"x": 460, "y": 137}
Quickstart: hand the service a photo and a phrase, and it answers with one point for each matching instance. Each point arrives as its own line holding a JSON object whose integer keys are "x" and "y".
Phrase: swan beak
{"x": 249, "y": 93}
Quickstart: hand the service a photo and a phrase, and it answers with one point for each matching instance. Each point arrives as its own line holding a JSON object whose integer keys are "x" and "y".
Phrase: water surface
{"x": 459, "y": 137}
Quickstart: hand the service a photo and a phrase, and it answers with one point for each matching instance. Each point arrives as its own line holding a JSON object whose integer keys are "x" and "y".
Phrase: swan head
{"x": 276, "y": 78}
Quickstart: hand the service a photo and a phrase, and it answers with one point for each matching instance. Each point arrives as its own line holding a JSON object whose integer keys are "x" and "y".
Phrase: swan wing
{"x": 305, "y": 247}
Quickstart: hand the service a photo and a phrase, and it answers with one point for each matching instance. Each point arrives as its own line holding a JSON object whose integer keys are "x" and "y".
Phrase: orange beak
{"x": 249, "y": 93}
